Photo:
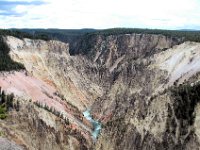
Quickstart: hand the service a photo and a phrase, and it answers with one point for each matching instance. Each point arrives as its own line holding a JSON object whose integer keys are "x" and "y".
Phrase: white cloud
{"x": 170, "y": 14}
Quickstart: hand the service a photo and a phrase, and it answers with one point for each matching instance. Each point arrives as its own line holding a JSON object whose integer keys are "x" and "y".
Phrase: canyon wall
{"x": 133, "y": 84}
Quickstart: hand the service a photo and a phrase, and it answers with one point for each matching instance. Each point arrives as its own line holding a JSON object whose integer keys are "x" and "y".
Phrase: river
{"x": 95, "y": 123}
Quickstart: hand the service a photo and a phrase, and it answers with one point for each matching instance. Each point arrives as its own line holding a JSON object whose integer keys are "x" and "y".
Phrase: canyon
{"x": 130, "y": 85}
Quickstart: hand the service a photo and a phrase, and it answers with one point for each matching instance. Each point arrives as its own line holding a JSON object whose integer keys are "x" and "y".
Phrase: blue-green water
{"x": 96, "y": 124}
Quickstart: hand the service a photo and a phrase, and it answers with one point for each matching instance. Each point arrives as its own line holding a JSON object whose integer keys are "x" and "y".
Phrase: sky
{"x": 100, "y": 14}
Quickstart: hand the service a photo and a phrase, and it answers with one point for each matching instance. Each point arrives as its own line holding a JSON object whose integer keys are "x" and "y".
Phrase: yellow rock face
{"x": 50, "y": 61}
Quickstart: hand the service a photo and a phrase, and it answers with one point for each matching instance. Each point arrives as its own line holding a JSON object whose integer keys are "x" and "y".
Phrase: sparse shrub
{"x": 52, "y": 110}
{"x": 1, "y": 133}
{"x": 186, "y": 98}
{"x": 66, "y": 121}
{"x": 17, "y": 106}
{"x": 3, "y": 112}
{"x": 6, "y": 102}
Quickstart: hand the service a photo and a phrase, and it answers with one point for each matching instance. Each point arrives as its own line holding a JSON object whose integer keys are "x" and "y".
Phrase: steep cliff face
{"x": 139, "y": 109}
{"x": 51, "y": 62}
{"x": 121, "y": 65}
{"x": 131, "y": 83}
{"x": 114, "y": 55}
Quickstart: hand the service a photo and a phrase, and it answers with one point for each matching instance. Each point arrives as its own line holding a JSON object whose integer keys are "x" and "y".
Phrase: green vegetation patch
{"x": 1, "y": 133}
{"x": 186, "y": 98}
{"x": 6, "y": 102}
{"x": 3, "y": 112}
{"x": 21, "y": 35}
{"x": 6, "y": 63}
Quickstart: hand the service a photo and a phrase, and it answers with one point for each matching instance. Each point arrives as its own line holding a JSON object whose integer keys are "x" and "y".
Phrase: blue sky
{"x": 74, "y": 14}
{"x": 7, "y": 8}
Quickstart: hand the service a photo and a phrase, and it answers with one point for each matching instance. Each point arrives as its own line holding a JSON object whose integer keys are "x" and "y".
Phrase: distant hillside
{"x": 187, "y": 35}
{"x": 21, "y": 34}
{"x": 189, "y": 30}
{"x": 71, "y": 35}
{"x": 64, "y": 35}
